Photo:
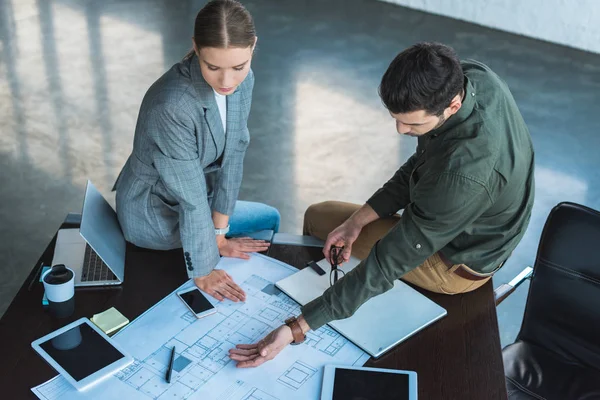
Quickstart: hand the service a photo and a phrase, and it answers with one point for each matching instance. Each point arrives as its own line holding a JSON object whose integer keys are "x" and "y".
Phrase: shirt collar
{"x": 462, "y": 114}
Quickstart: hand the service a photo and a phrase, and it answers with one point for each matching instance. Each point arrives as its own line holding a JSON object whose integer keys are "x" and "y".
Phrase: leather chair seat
{"x": 535, "y": 373}
{"x": 557, "y": 351}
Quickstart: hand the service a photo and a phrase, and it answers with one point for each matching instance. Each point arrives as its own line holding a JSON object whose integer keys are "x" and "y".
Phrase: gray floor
{"x": 73, "y": 73}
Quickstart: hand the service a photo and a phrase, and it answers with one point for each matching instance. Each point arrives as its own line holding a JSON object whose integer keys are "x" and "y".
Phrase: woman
{"x": 180, "y": 185}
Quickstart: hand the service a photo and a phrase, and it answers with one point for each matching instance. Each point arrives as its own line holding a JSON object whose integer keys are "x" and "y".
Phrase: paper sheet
{"x": 202, "y": 368}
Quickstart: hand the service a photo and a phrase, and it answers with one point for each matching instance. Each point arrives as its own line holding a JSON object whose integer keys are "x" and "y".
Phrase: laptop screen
{"x": 100, "y": 228}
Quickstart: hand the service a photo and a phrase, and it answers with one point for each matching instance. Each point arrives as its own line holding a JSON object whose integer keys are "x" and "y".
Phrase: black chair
{"x": 557, "y": 352}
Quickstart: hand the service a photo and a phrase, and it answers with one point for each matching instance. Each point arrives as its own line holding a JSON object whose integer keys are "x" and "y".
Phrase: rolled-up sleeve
{"x": 232, "y": 170}
{"x": 443, "y": 206}
{"x": 178, "y": 164}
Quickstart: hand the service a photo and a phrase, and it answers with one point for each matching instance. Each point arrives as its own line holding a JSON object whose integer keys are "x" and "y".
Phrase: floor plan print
{"x": 202, "y": 368}
{"x": 297, "y": 375}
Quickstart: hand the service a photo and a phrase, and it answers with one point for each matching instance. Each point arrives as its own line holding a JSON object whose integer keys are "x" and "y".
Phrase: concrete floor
{"x": 73, "y": 73}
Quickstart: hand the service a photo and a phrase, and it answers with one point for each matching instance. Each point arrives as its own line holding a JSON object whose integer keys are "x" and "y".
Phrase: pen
{"x": 170, "y": 369}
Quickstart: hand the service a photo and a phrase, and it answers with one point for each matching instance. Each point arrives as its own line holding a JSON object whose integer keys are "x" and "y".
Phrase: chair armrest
{"x": 504, "y": 290}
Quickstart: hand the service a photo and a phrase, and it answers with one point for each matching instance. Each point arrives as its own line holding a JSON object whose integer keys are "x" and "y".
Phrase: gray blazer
{"x": 183, "y": 165}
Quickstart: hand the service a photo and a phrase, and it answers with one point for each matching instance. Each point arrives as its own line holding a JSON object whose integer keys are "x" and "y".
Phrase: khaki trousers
{"x": 433, "y": 275}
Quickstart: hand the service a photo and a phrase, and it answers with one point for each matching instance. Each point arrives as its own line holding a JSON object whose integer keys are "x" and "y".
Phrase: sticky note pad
{"x": 110, "y": 320}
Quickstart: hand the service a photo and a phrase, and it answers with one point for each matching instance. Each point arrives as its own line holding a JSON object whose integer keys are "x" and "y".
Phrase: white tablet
{"x": 82, "y": 353}
{"x": 344, "y": 383}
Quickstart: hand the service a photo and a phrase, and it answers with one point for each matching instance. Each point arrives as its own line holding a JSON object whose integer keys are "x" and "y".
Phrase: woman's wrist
{"x": 220, "y": 241}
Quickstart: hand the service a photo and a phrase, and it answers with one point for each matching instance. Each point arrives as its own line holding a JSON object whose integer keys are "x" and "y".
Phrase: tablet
{"x": 82, "y": 353}
{"x": 360, "y": 383}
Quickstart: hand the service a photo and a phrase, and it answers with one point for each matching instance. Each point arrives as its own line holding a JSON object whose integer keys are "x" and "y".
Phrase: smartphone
{"x": 197, "y": 303}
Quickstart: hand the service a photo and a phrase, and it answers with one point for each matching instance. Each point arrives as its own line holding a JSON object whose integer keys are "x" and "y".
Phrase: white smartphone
{"x": 196, "y": 302}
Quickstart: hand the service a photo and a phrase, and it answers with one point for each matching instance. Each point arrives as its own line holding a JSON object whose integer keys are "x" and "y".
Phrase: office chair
{"x": 557, "y": 352}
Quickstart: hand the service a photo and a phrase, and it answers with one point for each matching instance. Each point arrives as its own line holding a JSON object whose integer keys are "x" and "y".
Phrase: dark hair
{"x": 222, "y": 24}
{"x": 426, "y": 76}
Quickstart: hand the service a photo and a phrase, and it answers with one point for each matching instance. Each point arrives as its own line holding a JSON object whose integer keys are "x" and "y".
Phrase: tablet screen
{"x": 81, "y": 351}
{"x": 350, "y": 384}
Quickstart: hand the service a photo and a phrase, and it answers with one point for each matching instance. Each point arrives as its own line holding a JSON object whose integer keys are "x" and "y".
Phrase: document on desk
{"x": 202, "y": 368}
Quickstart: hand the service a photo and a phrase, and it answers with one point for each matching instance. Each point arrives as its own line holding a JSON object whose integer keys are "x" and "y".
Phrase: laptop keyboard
{"x": 94, "y": 269}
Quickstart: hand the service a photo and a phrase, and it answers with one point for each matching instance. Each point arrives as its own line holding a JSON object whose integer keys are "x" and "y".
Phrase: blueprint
{"x": 202, "y": 368}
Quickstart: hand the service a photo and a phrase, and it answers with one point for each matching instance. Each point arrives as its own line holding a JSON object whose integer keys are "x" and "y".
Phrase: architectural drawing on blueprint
{"x": 297, "y": 375}
{"x": 198, "y": 362}
{"x": 54, "y": 389}
{"x": 257, "y": 394}
{"x": 202, "y": 368}
{"x": 326, "y": 340}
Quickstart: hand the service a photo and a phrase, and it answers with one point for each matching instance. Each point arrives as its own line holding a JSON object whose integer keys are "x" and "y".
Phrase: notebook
{"x": 379, "y": 324}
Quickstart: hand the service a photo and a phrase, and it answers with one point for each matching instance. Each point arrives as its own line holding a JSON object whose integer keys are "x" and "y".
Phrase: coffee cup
{"x": 59, "y": 284}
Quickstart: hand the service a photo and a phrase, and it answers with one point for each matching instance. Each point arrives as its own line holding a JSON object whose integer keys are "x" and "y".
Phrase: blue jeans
{"x": 249, "y": 217}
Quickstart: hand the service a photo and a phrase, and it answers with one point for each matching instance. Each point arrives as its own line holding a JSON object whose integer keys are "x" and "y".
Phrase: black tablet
{"x": 82, "y": 353}
{"x": 360, "y": 383}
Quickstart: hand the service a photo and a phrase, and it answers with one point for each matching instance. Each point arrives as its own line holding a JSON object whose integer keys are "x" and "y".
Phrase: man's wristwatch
{"x": 222, "y": 231}
{"x": 297, "y": 334}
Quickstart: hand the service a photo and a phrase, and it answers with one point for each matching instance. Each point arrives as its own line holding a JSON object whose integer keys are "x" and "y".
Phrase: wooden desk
{"x": 458, "y": 357}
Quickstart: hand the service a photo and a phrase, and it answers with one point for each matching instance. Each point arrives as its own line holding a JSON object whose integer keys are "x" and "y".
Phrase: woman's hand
{"x": 221, "y": 286}
{"x": 240, "y": 247}
{"x": 253, "y": 355}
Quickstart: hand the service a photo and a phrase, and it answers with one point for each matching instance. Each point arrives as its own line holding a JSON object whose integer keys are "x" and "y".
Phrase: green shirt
{"x": 466, "y": 192}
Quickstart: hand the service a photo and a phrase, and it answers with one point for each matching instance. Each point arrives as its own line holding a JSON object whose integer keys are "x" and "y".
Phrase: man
{"x": 467, "y": 194}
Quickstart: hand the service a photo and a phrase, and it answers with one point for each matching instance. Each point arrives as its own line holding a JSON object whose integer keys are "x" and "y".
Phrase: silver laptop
{"x": 379, "y": 324}
{"x": 95, "y": 251}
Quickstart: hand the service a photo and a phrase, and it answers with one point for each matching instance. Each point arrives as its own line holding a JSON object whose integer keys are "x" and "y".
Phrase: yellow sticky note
{"x": 110, "y": 320}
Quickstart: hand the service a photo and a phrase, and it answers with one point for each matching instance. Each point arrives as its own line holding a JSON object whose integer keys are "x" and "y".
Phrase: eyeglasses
{"x": 335, "y": 255}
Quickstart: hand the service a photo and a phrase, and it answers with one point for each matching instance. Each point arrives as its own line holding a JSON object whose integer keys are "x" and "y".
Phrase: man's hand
{"x": 253, "y": 355}
{"x": 220, "y": 286}
{"x": 343, "y": 235}
{"x": 239, "y": 247}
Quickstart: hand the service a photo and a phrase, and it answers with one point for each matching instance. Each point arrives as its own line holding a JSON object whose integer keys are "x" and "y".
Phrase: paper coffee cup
{"x": 59, "y": 284}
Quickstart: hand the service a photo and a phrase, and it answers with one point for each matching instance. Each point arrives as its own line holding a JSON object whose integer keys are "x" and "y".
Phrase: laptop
{"x": 95, "y": 251}
{"x": 380, "y": 323}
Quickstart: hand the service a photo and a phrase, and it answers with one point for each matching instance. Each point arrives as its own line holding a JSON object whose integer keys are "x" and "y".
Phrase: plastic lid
{"x": 58, "y": 274}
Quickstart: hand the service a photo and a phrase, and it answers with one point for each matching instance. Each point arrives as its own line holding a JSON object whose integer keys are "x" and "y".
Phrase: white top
{"x": 222, "y": 104}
